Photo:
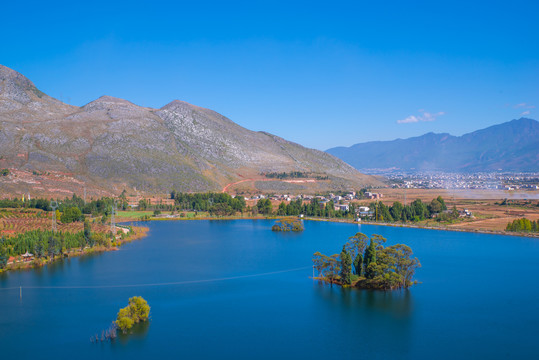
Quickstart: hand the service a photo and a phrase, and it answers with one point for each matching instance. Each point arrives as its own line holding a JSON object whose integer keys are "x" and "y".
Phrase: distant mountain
{"x": 112, "y": 143}
{"x": 511, "y": 146}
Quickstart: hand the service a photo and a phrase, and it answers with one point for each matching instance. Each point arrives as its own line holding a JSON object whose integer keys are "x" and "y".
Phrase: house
{"x": 342, "y": 207}
{"x": 27, "y": 257}
{"x": 323, "y": 203}
{"x": 465, "y": 213}
{"x": 364, "y": 211}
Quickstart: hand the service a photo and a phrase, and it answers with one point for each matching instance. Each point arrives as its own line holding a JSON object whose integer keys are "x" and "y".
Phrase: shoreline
{"x": 341, "y": 220}
{"x": 491, "y": 232}
{"x": 139, "y": 232}
{"x": 142, "y": 231}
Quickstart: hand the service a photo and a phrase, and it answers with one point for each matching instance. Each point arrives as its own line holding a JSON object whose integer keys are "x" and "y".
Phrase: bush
{"x": 137, "y": 311}
{"x": 70, "y": 215}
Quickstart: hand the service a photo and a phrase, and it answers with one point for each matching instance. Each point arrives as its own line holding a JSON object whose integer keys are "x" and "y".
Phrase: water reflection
{"x": 371, "y": 312}
{"x": 136, "y": 333}
{"x": 398, "y": 303}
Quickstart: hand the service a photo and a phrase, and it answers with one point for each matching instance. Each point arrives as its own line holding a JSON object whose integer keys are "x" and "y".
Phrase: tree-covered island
{"x": 365, "y": 263}
{"x": 288, "y": 224}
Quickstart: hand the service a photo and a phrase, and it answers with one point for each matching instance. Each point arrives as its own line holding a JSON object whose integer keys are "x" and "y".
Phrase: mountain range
{"x": 111, "y": 144}
{"x": 511, "y": 146}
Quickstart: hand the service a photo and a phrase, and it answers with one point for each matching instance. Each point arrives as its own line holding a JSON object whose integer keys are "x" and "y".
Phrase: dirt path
{"x": 225, "y": 189}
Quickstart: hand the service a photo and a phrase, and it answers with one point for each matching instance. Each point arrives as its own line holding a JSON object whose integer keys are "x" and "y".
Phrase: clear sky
{"x": 322, "y": 74}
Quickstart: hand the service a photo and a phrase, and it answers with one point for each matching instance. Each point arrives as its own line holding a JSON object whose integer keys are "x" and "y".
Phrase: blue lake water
{"x": 478, "y": 298}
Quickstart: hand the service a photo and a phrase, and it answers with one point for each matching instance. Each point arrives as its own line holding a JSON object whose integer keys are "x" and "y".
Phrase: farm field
{"x": 14, "y": 221}
{"x": 484, "y": 204}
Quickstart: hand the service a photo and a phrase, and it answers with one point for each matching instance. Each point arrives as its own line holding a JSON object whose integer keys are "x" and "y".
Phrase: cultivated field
{"x": 14, "y": 221}
{"x": 482, "y": 203}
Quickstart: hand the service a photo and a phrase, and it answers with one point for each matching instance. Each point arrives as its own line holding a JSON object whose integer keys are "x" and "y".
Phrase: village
{"x": 479, "y": 181}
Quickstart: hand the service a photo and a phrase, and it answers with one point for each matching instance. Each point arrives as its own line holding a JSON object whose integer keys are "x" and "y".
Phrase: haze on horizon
{"x": 317, "y": 75}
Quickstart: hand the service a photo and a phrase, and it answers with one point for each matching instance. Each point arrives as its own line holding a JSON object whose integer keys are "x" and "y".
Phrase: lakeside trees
{"x": 208, "y": 201}
{"x": 523, "y": 225}
{"x": 385, "y": 268}
{"x": 45, "y": 243}
{"x": 222, "y": 204}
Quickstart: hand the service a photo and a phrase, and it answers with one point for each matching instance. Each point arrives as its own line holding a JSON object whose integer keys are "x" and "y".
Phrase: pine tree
{"x": 358, "y": 264}
{"x": 370, "y": 255}
{"x": 346, "y": 267}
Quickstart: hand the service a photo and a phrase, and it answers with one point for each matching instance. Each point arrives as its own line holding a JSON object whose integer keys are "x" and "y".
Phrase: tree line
{"x": 369, "y": 264}
{"x": 215, "y": 203}
{"x": 523, "y": 225}
{"x": 93, "y": 207}
{"x": 416, "y": 211}
{"x": 287, "y": 175}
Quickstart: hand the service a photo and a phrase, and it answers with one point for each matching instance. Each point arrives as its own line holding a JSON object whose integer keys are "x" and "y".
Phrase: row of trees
{"x": 523, "y": 225}
{"x": 287, "y": 175}
{"x": 374, "y": 265}
{"x": 416, "y": 211}
{"x": 313, "y": 208}
{"x": 215, "y": 203}
{"x": 97, "y": 207}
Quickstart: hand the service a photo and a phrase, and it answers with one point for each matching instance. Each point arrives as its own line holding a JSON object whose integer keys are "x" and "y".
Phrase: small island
{"x": 368, "y": 267}
{"x": 288, "y": 224}
{"x": 137, "y": 311}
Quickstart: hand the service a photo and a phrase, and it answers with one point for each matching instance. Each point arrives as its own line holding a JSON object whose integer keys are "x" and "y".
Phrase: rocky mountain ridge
{"x": 511, "y": 146}
{"x": 112, "y": 144}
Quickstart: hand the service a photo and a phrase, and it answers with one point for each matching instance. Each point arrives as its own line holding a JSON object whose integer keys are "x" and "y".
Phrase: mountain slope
{"x": 511, "y": 146}
{"x": 111, "y": 143}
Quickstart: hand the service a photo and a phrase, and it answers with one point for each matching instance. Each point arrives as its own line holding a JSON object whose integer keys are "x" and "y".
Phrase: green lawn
{"x": 133, "y": 214}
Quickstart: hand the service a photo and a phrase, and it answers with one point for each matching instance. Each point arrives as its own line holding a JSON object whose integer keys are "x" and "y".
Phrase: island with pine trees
{"x": 367, "y": 264}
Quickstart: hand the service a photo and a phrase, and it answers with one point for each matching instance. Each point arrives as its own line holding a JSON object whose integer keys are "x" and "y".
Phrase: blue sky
{"x": 322, "y": 74}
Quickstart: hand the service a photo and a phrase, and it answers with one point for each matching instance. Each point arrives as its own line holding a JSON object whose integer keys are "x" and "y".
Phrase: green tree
{"x": 396, "y": 211}
{"x": 52, "y": 247}
{"x": 370, "y": 255}
{"x": 3, "y": 257}
{"x": 281, "y": 211}
{"x": 435, "y": 207}
{"x": 238, "y": 203}
{"x": 264, "y": 206}
{"x": 346, "y": 267}
{"x": 441, "y": 201}
{"x": 358, "y": 264}
{"x": 88, "y": 233}
{"x": 221, "y": 209}
{"x": 356, "y": 244}
{"x": 142, "y": 204}
{"x": 70, "y": 215}
{"x": 138, "y": 310}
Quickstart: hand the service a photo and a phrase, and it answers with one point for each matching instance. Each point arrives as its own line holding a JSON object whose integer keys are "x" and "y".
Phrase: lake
{"x": 240, "y": 291}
